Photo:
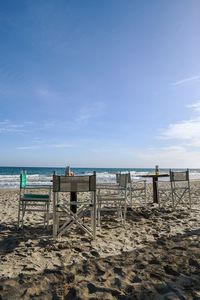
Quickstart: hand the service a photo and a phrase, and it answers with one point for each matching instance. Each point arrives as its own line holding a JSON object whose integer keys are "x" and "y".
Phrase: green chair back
{"x": 22, "y": 181}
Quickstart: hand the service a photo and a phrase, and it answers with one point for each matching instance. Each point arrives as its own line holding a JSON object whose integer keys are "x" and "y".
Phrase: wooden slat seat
{"x": 36, "y": 197}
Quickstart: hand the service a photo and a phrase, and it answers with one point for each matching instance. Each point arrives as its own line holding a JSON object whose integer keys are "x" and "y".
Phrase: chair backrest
{"x": 22, "y": 180}
{"x": 85, "y": 183}
{"x": 118, "y": 177}
{"x": 129, "y": 177}
{"x": 179, "y": 175}
{"x": 122, "y": 179}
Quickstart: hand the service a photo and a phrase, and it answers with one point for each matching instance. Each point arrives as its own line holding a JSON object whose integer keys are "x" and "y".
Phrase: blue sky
{"x": 104, "y": 83}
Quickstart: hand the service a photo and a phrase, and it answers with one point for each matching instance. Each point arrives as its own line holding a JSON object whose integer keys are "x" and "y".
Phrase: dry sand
{"x": 155, "y": 256}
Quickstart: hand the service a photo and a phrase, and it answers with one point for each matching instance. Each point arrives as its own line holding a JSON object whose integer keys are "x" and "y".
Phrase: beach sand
{"x": 156, "y": 255}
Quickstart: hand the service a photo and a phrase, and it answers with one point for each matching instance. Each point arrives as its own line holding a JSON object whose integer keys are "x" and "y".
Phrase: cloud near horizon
{"x": 185, "y": 144}
{"x": 186, "y": 131}
{"x": 170, "y": 157}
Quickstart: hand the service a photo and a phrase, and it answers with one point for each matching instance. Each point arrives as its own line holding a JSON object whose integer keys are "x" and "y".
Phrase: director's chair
{"x": 74, "y": 209}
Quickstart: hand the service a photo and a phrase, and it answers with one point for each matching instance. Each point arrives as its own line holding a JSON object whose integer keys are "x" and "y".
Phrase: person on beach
{"x": 68, "y": 172}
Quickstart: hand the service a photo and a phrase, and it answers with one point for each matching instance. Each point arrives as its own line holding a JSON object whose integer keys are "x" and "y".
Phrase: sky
{"x": 100, "y": 83}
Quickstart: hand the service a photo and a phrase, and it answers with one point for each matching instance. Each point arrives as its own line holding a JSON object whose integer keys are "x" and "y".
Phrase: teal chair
{"x": 31, "y": 200}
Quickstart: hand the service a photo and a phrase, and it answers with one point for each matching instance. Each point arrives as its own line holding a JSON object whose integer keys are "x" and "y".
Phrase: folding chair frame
{"x": 74, "y": 184}
{"x": 177, "y": 191}
{"x": 32, "y": 202}
{"x": 114, "y": 198}
{"x": 134, "y": 190}
{"x": 167, "y": 192}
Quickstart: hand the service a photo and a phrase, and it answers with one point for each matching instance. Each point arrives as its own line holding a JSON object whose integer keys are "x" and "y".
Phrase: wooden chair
{"x": 136, "y": 190}
{"x": 113, "y": 198}
{"x": 31, "y": 200}
{"x": 73, "y": 210}
{"x": 164, "y": 193}
{"x": 180, "y": 186}
{"x": 176, "y": 191}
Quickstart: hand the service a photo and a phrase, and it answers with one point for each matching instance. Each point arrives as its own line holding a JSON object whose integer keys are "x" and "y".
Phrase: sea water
{"x": 9, "y": 176}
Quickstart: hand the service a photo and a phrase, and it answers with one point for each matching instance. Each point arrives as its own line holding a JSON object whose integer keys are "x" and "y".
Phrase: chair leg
{"x": 98, "y": 213}
{"x": 91, "y": 217}
{"x": 48, "y": 219}
{"x": 145, "y": 196}
{"x": 190, "y": 202}
{"x": 125, "y": 211}
{"x": 23, "y": 213}
{"x": 45, "y": 218}
{"x": 94, "y": 214}
{"x": 19, "y": 210}
{"x": 57, "y": 222}
{"x": 55, "y": 197}
{"x": 158, "y": 201}
{"x": 173, "y": 200}
{"x": 47, "y": 215}
{"x": 55, "y": 229}
{"x": 99, "y": 218}
{"x": 94, "y": 221}
{"x": 131, "y": 197}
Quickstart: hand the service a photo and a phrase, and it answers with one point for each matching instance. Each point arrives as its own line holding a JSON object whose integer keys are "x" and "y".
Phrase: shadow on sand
{"x": 168, "y": 268}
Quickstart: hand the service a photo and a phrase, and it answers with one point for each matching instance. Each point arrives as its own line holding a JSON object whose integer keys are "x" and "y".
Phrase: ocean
{"x": 9, "y": 176}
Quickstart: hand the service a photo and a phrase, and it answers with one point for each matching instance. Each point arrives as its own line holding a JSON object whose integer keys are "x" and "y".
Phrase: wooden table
{"x": 155, "y": 179}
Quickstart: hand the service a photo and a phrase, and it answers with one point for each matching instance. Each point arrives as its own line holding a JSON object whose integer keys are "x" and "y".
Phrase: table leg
{"x": 73, "y": 197}
{"x": 155, "y": 191}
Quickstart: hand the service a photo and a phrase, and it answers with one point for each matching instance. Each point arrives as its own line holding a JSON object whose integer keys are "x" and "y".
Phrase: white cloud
{"x": 43, "y": 144}
{"x": 26, "y": 147}
{"x": 61, "y": 145}
{"x": 170, "y": 157}
{"x": 8, "y": 126}
{"x": 89, "y": 112}
{"x": 195, "y": 106}
{"x": 186, "y": 80}
{"x": 186, "y": 131}
{"x": 185, "y": 136}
